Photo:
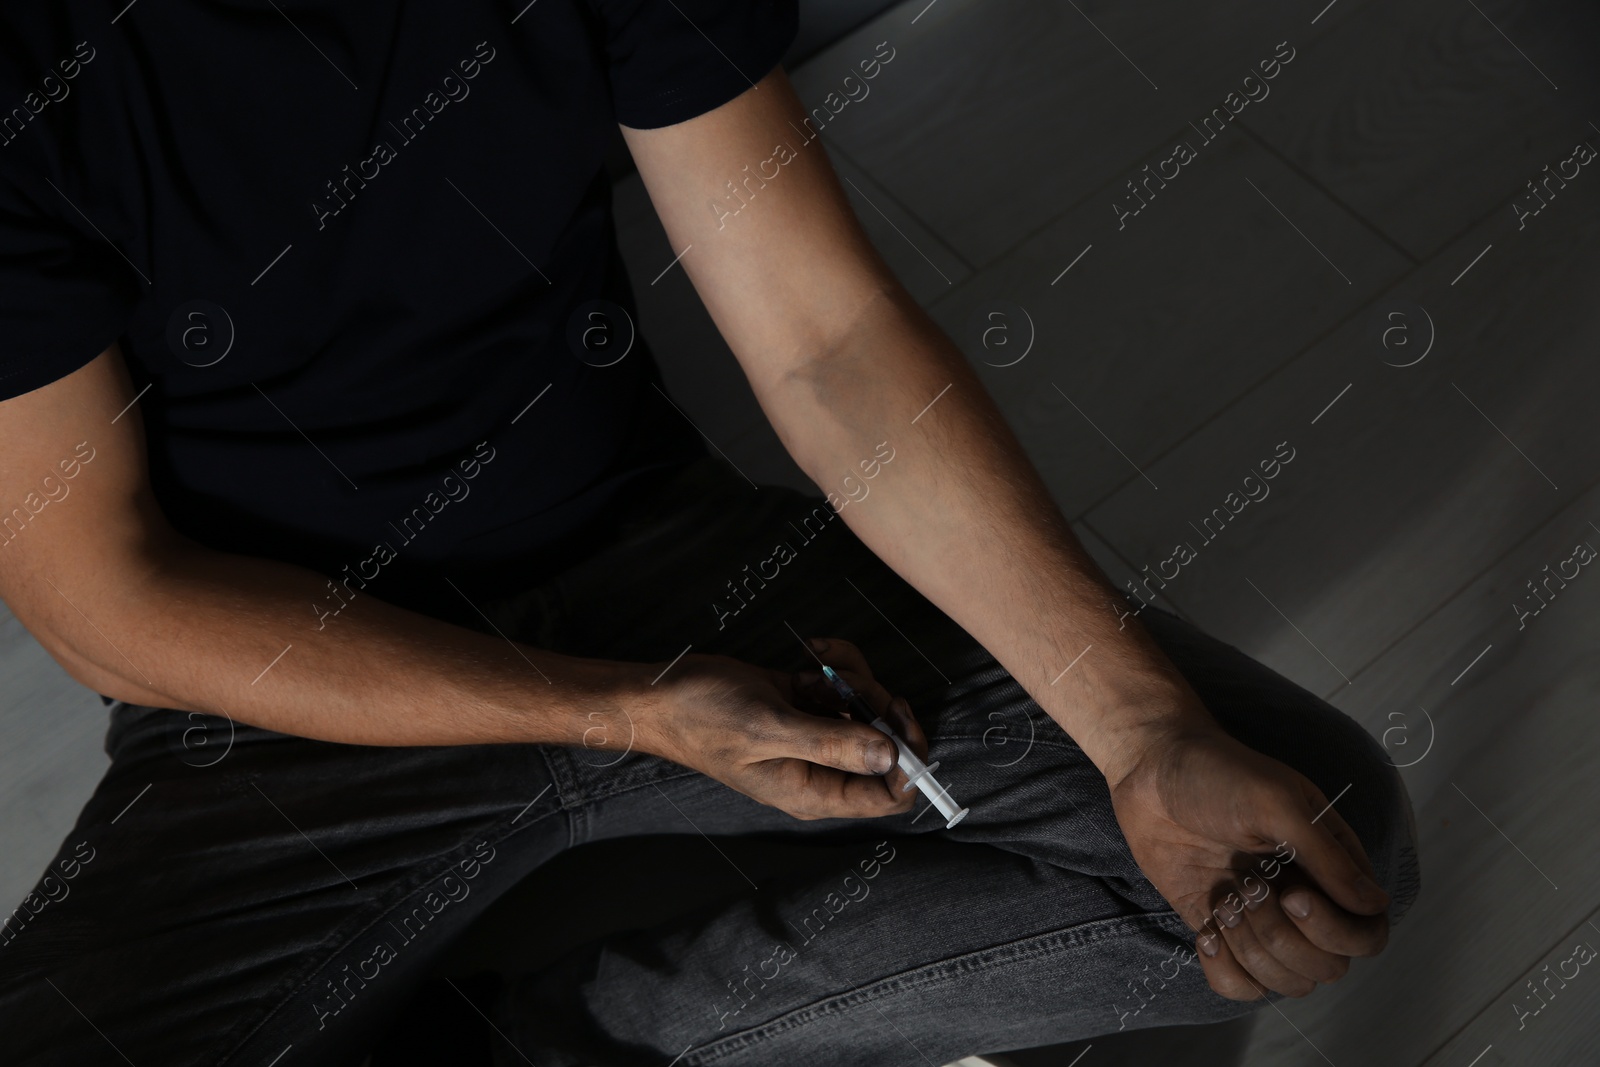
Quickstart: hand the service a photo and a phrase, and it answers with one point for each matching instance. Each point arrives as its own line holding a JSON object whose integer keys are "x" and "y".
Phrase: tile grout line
{"x": 1490, "y": 1001}
{"x": 1359, "y": 5}
{"x": 1460, "y": 590}
{"x": 1245, "y": 391}
{"x": 1389, "y": 288}
{"x": 1132, "y": 570}
{"x": 955, "y": 253}
{"x": 1294, "y": 168}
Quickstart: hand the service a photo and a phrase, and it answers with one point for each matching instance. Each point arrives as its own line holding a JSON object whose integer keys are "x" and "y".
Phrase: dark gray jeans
{"x": 232, "y": 895}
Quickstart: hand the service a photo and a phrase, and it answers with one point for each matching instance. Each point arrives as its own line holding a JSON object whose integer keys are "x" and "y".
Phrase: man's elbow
{"x": 85, "y": 668}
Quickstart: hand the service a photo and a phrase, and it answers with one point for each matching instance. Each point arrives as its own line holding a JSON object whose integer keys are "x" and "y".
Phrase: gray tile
{"x": 1504, "y": 798}
{"x": 1160, "y": 323}
{"x": 1408, "y": 688}
{"x": 51, "y": 760}
{"x": 1407, "y": 487}
{"x": 992, "y": 118}
{"x": 925, "y": 265}
{"x": 1422, "y": 117}
{"x": 1559, "y": 1024}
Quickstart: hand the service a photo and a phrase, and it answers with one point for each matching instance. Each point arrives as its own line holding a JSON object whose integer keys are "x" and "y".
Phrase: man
{"x": 401, "y": 580}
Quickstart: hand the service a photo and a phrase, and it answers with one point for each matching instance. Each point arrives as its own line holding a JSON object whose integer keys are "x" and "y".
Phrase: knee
{"x": 1374, "y": 802}
{"x": 1281, "y": 719}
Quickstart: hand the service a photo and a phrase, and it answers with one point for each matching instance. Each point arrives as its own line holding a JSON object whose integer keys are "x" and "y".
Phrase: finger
{"x": 857, "y": 678}
{"x": 906, "y": 724}
{"x": 1258, "y": 959}
{"x": 841, "y": 655}
{"x": 843, "y": 744}
{"x": 1222, "y": 970}
{"x": 810, "y": 791}
{"x": 1320, "y": 855}
{"x": 813, "y": 688}
{"x": 1280, "y": 936}
{"x": 813, "y": 692}
{"x": 1348, "y": 840}
{"x": 1332, "y": 928}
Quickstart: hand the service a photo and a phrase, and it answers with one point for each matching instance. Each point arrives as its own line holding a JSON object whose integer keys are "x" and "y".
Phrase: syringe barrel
{"x": 917, "y": 771}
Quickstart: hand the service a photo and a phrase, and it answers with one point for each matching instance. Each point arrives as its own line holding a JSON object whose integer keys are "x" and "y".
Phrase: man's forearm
{"x": 962, "y": 515}
{"x": 198, "y": 630}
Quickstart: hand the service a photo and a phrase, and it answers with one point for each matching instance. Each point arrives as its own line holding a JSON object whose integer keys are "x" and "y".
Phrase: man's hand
{"x": 782, "y": 738}
{"x": 1199, "y": 811}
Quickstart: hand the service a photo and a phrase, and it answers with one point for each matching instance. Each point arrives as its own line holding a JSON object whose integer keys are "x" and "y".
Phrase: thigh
{"x": 1039, "y": 915}
{"x": 907, "y": 951}
{"x": 229, "y": 892}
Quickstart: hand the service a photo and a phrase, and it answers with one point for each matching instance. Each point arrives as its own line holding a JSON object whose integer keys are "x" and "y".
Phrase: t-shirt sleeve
{"x": 670, "y": 60}
{"x": 64, "y": 297}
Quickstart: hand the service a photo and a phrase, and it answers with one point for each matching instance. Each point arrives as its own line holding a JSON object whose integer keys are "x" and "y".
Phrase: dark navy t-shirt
{"x": 359, "y": 257}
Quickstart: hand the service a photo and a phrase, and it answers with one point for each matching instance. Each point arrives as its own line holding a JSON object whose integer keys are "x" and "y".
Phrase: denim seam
{"x": 387, "y": 906}
{"x": 1022, "y": 950}
{"x": 559, "y": 779}
{"x": 963, "y": 735}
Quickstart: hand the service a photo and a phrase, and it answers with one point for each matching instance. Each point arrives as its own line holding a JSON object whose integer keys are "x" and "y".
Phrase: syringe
{"x": 919, "y": 773}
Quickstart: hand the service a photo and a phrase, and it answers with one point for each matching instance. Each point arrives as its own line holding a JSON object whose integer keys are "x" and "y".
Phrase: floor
{"x": 1351, "y": 269}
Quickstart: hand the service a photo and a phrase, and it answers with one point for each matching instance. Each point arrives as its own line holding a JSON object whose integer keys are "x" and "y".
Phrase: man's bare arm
{"x": 135, "y": 611}
{"x": 139, "y": 613}
{"x": 842, "y": 360}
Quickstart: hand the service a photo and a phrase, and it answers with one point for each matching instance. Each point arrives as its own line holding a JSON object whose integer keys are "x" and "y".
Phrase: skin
{"x": 840, "y": 359}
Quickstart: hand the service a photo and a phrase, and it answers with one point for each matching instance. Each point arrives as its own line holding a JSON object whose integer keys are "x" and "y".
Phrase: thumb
{"x": 840, "y": 743}
{"x": 1319, "y": 853}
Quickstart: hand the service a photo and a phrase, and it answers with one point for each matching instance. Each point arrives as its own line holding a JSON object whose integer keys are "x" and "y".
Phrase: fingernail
{"x": 1370, "y": 889}
{"x": 1208, "y": 944}
{"x": 808, "y": 677}
{"x": 1297, "y": 904}
{"x": 880, "y": 757}
{"x": 819, "y": 643}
